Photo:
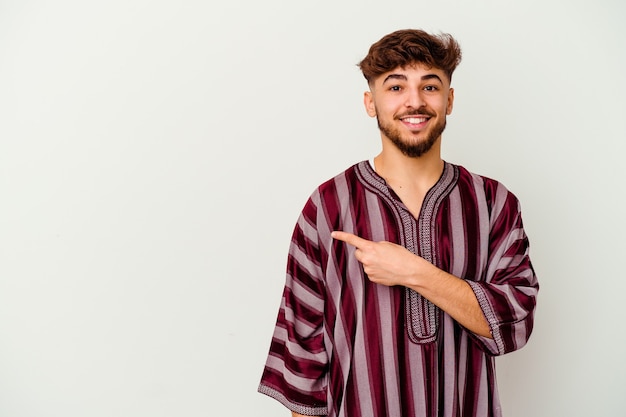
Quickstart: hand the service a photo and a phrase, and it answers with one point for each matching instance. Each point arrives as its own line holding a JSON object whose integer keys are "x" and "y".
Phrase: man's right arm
{"x": 296, "y": 371}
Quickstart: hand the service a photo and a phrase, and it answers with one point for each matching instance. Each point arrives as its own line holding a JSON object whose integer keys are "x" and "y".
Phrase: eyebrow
{"x": 432, "y": 76}
{"x": 395, "y": 77}
{"x": 403, "y": 77}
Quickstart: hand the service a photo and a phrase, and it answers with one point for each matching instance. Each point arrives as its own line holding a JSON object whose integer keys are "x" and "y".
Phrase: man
{"x": 406, "y": 274}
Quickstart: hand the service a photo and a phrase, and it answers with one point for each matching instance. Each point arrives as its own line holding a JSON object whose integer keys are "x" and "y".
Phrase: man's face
{"x": 411, "y": 105}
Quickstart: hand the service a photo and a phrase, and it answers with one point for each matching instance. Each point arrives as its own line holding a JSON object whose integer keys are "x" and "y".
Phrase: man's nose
{"x": 414, "y": 99}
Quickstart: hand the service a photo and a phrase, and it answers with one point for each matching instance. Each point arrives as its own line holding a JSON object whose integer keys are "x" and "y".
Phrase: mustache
{"x": 422, "y": 111}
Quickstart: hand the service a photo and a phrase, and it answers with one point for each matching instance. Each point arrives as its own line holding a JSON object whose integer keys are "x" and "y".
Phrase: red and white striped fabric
{"x": 346, "y": 347}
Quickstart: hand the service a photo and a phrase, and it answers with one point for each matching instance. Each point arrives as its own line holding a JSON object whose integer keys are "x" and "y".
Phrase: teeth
{"x": 415, "y": 120}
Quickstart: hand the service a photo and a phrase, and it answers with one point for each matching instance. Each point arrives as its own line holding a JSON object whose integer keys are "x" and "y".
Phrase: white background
{"x": 154, "y": 156}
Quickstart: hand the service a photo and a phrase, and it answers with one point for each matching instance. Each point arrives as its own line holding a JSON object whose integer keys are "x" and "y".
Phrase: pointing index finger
{"x": 349, "y": 238}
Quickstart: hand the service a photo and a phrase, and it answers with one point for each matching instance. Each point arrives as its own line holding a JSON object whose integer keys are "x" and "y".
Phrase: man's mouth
{"x": 415, "y": 120}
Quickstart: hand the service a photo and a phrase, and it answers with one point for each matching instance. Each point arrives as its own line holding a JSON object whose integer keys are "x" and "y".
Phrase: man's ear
{"x": 450, "y": 101}
{"x": 368, "y": 101}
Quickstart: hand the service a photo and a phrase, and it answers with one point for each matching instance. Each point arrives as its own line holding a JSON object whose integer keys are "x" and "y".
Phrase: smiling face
{"x": 411, "y": 105}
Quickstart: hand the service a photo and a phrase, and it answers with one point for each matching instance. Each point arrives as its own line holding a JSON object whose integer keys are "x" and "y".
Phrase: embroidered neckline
{"x": 418, "y": 236}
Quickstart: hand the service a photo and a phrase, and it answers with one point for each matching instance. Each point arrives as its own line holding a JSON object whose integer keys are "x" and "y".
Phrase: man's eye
{"x": 395, "y": 88}
{"x": 431, "y": 88}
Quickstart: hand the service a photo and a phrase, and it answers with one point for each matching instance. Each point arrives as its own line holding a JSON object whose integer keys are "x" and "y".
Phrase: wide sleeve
{"x": 507, "y": 293}
{"x": 295, "y": 373}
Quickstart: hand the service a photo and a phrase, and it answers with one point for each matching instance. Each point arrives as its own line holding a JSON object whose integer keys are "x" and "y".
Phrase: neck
{"x": 419, "y": 173}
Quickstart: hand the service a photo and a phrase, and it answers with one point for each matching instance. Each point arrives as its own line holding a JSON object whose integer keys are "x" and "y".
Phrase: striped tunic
{"x": 346, "y": 347}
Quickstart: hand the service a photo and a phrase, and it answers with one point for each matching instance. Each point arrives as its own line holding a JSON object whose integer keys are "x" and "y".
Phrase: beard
{"x": 410, "y": 147}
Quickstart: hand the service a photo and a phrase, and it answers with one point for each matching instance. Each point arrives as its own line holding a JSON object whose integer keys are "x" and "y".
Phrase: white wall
{"x": 154, "y": 156}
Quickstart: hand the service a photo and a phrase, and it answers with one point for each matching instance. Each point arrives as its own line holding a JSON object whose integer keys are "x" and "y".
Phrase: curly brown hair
{"x": 410, "y": 46}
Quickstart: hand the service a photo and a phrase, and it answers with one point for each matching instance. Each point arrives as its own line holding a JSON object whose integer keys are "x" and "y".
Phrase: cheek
{"x": 444, "y": 106}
